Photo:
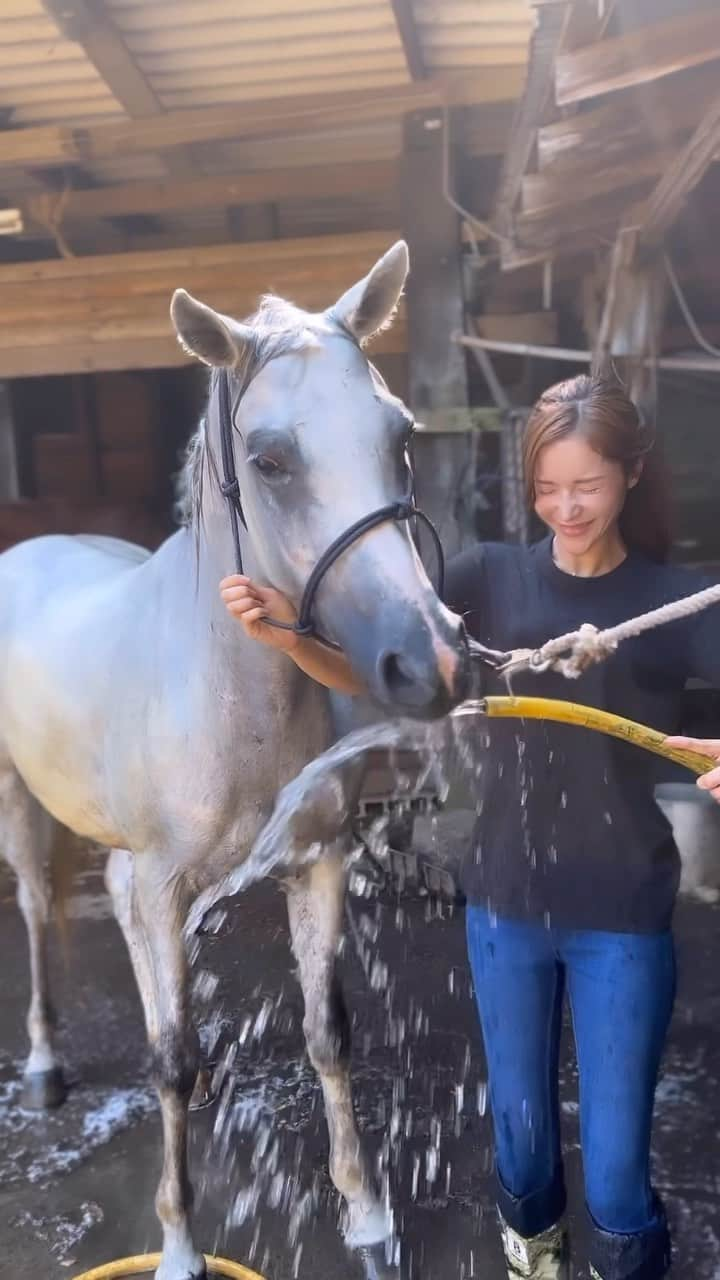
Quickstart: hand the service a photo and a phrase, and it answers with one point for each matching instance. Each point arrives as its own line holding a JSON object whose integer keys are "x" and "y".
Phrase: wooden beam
{"x": 531, "y": 326}
{"x": 272, "y": 185}
{"x": 589, "y": 21}
{"x": 682, "y": 175}
{"x": 311, "y": 250}
{"x": 545, "y": 43}
{"x": 620, "y": 261}
{"x": 547, "y": 193}
{"x": 437, "y": 372}
{"x": 409, "y": 38}
{"x": 89, "y": 26}
{"x": 112, "y": 312}
{"x": 589, "y": 220}
{"x": 638, "y": 57}
{"x": 54, "y": 145}
{"x": 651, "y": 115}
{"x": 158, "y": 352}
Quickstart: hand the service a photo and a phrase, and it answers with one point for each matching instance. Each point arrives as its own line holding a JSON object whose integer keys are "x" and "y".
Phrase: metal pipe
{"x": 572, "y": 355}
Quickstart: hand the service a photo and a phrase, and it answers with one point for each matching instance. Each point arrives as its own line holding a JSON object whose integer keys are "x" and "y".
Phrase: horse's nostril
{"x": 396, "y": 673}
{"x": 405, "y": 681}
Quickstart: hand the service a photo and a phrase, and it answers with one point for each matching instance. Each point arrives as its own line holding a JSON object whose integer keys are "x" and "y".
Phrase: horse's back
{"x": 61, "y": 562}
{"x": 132, "y": 552}
{"x": 81, "y": 549}
{"x": 52, "y": 586}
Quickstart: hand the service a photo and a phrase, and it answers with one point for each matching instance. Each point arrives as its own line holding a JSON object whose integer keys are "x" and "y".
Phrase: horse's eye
{"x": 267, "y": 467}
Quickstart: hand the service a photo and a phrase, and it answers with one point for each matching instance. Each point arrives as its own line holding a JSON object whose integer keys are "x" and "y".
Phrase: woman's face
{"x": 578, "y": 494}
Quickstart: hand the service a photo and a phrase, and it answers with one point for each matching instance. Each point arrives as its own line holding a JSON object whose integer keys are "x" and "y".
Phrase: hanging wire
{"x": 483, "y": 227}
{"x": 684, "y": 306}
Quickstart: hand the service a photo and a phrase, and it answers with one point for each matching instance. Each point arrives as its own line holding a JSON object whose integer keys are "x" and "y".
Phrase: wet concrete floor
{"x": 77, "y": 1186}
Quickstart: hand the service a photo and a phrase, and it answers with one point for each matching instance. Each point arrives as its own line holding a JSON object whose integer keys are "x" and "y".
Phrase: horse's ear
{"x": 215, "y": 339}
{"x": 370, "y": 305}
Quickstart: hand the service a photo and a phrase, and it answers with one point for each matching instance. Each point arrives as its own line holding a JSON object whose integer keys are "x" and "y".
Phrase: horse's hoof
{"x": 376, "y": 1265}
{"x": 367, "y": 1224}
{"x": 43, "y": 1090}
{"x": 202, "y": 1095}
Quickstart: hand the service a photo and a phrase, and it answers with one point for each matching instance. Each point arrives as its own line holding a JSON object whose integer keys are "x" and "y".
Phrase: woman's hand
{"x": 250, "y": 604}
{"x": 709, "y": 747}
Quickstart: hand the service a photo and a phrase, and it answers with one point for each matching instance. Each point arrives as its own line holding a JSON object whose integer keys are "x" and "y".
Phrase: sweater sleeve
{"x": 465, "y": 587}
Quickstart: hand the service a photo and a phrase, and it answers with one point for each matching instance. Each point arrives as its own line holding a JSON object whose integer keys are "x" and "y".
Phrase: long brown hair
{"x": 600, "y": 411}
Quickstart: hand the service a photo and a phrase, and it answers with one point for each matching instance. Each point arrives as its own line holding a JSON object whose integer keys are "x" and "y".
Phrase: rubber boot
{"x": 542, "y": 1257}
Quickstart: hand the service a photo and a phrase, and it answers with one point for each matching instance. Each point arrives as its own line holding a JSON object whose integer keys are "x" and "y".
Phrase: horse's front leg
{"x": 315, "y": 908}
{"x": 151, "y": 905}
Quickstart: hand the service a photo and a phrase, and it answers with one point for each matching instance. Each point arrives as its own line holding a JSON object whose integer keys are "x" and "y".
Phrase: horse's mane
{"x": 278, "y": 328}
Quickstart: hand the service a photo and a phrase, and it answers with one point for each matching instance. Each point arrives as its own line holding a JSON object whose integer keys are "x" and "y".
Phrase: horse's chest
{"x": 224, "y": 790}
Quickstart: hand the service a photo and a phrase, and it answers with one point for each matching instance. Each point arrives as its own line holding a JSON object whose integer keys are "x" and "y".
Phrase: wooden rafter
{"x": 681, "y": 176}
{"x": 546, "y": 41}
{"x": 638, "y": 57}
{"x": 409, "y": 38}
{"x": 173, "y": 196}
{"x": 655, "y": 115}
{"x": 59, "y": 145}
{"x": 88, "y": 25}
{"x": 111, "y": 311}
{"x": 589, "y": 221}
{"x": 546, "y": 194}
{"x": 621, "y": 257}
{"x": 560, "y": 24}
{"x": 588, "y": 21}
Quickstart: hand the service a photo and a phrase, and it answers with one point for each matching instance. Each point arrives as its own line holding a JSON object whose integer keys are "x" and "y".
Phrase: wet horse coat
{"x": 134, "y": 711}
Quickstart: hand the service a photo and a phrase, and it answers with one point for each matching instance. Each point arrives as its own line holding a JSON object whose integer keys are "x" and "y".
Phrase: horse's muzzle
{"x": 427, "y": 676}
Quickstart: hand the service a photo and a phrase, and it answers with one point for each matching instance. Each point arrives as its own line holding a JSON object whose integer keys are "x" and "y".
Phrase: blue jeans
{"x": 621, "y": 988}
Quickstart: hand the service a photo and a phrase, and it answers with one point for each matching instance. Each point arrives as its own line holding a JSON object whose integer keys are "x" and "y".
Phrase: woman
{"x": 573, "y": 875}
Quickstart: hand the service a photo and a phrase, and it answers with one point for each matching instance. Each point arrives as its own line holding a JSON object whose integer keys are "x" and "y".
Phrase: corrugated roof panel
{"x": 187, "y": 15}
{"x": 267, "y": 71}
{"x": 250, "y": 8}
{"x": 457, "y": 34}
{"x": 195, "y": 54}
{"x": 44, "y": 77}
{"x": 218, "y": 95}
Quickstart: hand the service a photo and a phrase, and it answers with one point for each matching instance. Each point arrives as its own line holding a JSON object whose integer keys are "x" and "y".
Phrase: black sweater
{"x": 568, "y": 830}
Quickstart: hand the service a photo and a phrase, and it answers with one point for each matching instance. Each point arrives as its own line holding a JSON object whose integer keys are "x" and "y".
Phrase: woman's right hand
{"x": 709, "y": 747}
{"x": 250, "y": 604}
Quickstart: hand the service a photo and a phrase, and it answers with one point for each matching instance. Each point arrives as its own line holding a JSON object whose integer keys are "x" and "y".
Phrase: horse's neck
{"x": 229, "y": 658}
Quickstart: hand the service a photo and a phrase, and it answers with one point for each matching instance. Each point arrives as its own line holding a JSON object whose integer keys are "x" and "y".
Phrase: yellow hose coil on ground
{"x": 126, "y": 1268}
{"x": 592, "y": 718}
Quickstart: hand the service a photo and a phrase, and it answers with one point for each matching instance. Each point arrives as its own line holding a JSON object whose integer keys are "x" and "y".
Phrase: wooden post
{"x": 437, "y": 373}
{"x": 9, "y": 483}
{"x": 516, "y": 524}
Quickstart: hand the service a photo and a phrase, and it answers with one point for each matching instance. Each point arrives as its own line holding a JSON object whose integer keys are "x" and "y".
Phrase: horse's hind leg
{"x": 315, "y": 908}
{"x": 151, "y": 906}
{"x": 27, "y": 833}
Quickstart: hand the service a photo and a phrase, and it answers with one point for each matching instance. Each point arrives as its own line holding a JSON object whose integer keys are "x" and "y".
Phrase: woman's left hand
{"x": 709, "y": 747}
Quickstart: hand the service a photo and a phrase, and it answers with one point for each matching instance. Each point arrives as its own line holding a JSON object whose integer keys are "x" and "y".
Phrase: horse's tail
{"x": 64, "y": 852}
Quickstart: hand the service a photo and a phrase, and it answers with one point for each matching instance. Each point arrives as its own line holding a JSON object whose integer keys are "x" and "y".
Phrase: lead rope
{"x": 573, "y": 653}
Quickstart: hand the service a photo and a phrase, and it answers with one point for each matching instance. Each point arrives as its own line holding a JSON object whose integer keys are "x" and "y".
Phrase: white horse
{"x": 134, "y": 711}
